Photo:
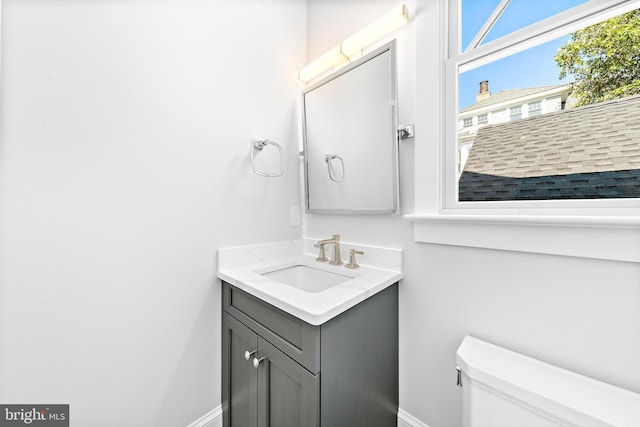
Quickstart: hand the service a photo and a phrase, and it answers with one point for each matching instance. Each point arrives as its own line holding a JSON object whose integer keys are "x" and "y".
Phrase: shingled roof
{"x": 583, "y": 153}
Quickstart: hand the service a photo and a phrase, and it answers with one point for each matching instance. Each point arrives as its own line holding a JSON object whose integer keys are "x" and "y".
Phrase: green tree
{"x": 604, "y": 59}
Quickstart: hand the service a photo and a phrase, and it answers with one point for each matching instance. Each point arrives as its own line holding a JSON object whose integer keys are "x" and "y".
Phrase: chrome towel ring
{"x": 258, "y": 145}
{"x": 328, "y": 158}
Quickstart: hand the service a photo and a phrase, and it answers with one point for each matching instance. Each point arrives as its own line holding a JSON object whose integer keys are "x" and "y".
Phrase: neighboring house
{"x": 505, "y": 106}
{"x": 590, "y": 152}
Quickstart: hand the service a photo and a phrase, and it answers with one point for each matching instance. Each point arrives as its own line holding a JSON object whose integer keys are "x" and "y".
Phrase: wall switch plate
{"x": 295, "y": 215}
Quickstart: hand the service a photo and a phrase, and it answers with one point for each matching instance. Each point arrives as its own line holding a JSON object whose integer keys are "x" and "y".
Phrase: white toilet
{"x": 502, "y": 388}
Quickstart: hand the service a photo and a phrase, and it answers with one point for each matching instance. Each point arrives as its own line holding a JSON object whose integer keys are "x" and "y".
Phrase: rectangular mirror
{"x": 351, "y": 140}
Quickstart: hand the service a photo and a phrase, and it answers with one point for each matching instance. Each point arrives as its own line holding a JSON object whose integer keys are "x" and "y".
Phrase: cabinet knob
{"x": 256, "y": 361}
{"x": 248, "y": 354}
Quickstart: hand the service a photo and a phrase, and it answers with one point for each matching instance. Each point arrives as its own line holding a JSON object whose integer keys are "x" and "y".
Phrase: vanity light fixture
{"x": 332, "y": 58}
{"x": 351, "y": 47}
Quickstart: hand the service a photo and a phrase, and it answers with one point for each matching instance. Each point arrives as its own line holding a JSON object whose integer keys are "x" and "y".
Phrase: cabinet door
{"x": 239, "y": 377}
{"x": 287, "y": 393}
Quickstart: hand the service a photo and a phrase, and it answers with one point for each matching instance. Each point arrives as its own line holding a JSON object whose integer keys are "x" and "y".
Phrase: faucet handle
{"x": 352, "y": 258}
{"x": 322, "y": 257}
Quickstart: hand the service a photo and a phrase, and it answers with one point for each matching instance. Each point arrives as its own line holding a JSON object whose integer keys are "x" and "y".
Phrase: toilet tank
{"x": 502, "y": 388}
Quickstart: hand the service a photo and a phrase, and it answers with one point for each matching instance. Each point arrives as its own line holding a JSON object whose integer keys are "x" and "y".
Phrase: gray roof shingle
{"x": 588, "y": 152}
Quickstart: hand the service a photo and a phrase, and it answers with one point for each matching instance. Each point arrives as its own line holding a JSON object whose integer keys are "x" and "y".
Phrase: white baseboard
{"x": 407, "y": 420}
{"x": 212, "y": 418}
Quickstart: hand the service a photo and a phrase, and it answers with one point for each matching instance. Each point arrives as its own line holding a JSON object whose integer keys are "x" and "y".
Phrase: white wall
{"x": 576, "y": 313}
{"x": 125, "y": 128}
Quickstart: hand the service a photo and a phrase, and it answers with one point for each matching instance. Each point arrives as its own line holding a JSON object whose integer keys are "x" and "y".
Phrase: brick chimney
{"x": 484, "y": 91}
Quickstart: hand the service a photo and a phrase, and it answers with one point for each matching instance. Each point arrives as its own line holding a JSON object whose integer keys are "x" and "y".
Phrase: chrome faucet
{"x": 336, "y": 258}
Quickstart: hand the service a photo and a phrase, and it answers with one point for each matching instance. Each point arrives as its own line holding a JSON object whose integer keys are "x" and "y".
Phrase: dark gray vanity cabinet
{"x": 279, "y": 392}
{"x": 341, "y": 373}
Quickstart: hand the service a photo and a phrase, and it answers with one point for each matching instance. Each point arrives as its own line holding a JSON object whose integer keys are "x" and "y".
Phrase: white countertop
{"x": 241, "y": 267}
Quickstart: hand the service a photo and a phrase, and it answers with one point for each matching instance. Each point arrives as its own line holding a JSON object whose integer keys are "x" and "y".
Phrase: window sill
{"x": 599, "y": 237}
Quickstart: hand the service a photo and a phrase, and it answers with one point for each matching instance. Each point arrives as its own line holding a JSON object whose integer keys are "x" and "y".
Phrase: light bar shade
{"x": 351, "y": 47}
{"x": 332, "y": 58}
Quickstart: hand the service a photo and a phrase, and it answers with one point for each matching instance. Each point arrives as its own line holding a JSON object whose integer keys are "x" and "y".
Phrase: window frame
{"x": 538, "y": 109}
{"x": 515, "y": 113}
{"x": 606, "y": 229}
{"x": 548, "y": 29}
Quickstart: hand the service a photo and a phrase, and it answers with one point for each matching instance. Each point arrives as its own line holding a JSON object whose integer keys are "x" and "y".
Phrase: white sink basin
{"x": 307, "y": 278}
{"x": 284, "y": 275}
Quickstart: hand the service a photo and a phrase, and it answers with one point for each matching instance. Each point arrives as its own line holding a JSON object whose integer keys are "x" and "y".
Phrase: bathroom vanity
{"x": 311, "y": 367}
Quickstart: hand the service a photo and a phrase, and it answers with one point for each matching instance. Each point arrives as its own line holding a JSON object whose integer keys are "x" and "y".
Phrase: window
{"x": 483, "y": 119}
{"x": 535, "y": 108}
{"x": 535, "y": 53}
{"x": 515, "y": 113}
{"x": 606, "y": 228}
{"x": 466, "y": 122}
